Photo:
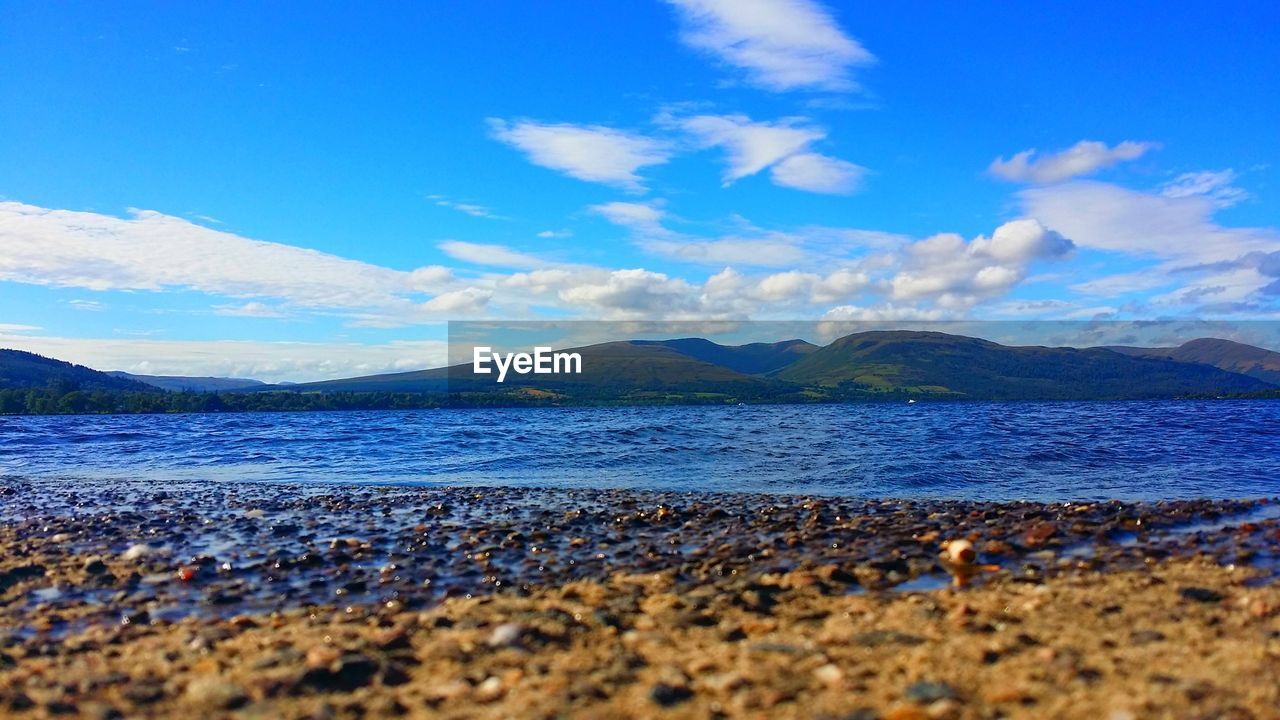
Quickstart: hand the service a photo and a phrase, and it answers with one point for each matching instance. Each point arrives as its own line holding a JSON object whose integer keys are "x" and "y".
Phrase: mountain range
{"x": 863, "y": 366}
{"x": 181, "y": 383}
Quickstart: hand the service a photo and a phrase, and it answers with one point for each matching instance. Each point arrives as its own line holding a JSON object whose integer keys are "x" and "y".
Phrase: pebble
{"x": 215, "y": 693}
{"x": 946, "y": 709}
{"x": 322, "y": 656}
{"x": 828, "y": 674}
{"x": 506, "y": 635}
{"x": 489, "y": 690}
{"x": 136, "y": 552}
{"x": 929, "y": 692}
{"x": 876, "y": 638}
{"x": 1199, "y": 594}
{"x": 906, "y": 712}
{"x": 668, "y": 695}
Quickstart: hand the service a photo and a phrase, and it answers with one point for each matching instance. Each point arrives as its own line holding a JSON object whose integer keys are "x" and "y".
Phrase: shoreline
{"x": 895, "y": 399}
{"x": 279, "y": 600}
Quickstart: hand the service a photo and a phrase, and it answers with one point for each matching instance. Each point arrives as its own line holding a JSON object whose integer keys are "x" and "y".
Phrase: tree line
{"x": 55, "y": 401}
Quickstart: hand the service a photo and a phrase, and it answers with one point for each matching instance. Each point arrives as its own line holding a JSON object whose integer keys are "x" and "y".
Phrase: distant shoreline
{"x": 188, "y": 403}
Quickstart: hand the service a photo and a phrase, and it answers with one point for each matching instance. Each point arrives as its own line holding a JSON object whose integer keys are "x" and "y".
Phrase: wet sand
{"x": 211, "y": 600}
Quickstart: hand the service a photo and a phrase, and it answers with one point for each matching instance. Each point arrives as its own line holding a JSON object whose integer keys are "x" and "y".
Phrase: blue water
{"x": 988, "y": 451}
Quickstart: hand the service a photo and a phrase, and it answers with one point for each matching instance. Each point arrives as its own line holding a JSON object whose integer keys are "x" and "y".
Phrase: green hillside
{"x": 750, "y": 359}
{"x": 19, "y": 369}
{"x": 1222, "y": 354}
{"x": 932, "y": 363}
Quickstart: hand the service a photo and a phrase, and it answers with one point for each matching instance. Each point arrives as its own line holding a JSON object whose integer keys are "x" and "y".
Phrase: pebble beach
{"x": 119, "y": 599}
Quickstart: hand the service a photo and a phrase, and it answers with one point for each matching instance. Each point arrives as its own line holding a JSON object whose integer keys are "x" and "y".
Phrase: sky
{"x": 299, "y": 191}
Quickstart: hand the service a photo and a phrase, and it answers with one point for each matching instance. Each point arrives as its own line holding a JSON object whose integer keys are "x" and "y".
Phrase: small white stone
{"x": 489, "y": 690}
{"x": 137, "y": 552}
{"x": 505, "y": 635}
{"x": 828, "y": 674}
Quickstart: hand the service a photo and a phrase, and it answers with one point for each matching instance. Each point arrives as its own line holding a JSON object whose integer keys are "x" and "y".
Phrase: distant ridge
{"x": 637, "y": 364}
{"x": 179, "y": 383}
{"x": 860, "y": 366}
{"x": 935, "y": 363}
{"x": 866, "y": 366}
{"x": 751, "y": 359}
{"x": 1227, "y": 355}
{"x": 21, "y": 369}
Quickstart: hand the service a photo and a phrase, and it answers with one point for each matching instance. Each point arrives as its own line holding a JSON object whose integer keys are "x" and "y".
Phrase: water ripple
{"x": 991, "y": 451}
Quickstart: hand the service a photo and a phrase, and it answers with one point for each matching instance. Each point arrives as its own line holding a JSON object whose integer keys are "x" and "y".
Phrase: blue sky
{"x": 300, "y": 191}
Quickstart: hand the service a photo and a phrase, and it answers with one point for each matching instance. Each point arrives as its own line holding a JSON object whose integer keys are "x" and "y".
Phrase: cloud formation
{"x": 150, "y": 251}
{"x": 587, "y": 152}
{"x": 782, "y": 146}
{"x": 493, "y": 255}
{"x": 1109, "y": 217}
{"x": 779, "y": 45}
{"x": 471, "y": 209}
{"x": 1084, "y": 158}
{"x": 955, "y": 273}
{"x": 1207, "y": 268}
{"x": 818, "y": 173}
{"x": 1215, "y": 185}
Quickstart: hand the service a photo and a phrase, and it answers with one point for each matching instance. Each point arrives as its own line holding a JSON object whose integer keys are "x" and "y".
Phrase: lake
{"x": 985, "y": 451}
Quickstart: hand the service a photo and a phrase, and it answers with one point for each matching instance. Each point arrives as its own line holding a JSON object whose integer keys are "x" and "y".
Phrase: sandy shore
{"x": 283, "y": 601}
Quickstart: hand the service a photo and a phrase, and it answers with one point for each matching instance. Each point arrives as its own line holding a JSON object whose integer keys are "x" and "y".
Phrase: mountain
{"x": 875, "y": 365}
{"x": 750, "y": 359}
{"x": 862, "y": 366}
{"x": 1222, "y": 354}
{"x": 614, "y": 368}
{"x": 945, "y": 365}
{"x": 19, "y": 369}
{"x": 433, "y": 380}
{"x": 178, "y": 383}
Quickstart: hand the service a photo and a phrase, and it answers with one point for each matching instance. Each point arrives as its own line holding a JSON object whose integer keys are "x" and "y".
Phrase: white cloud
{"x": 761, "y": 252}
{"x": 955, "y": 273}
{"x": 1125, "y": 283}
{"x": 780, "y": 44}
{"x": 634, "y": 293}
{"x": 588, "y": 152}
{"x": 804, "y": 247}
{"x": 251, "y": 309}
{"x": 818, "y": 173}
{"x": 156, "y": 252}
{"x": 555, "y": 234}
{"x": 467, "y": 301}
{"x": 1083, "y": 158}
{"x": 729, "y": 292}
{"x": 17, "y": 328}
{"x": 494, "y": 255}
{"x": 471, "y": 209}
{"x": 643, "y": 216}
{"x": 749, "y": 146}
{"x": 784, "y": 146}
{"x": 266, "y": 361}
{"x": 1215, "y": 185}
{"x": 1208, "y": 269}
{"x": 1109, "y": 217}
{"x": 882, "y": 313}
